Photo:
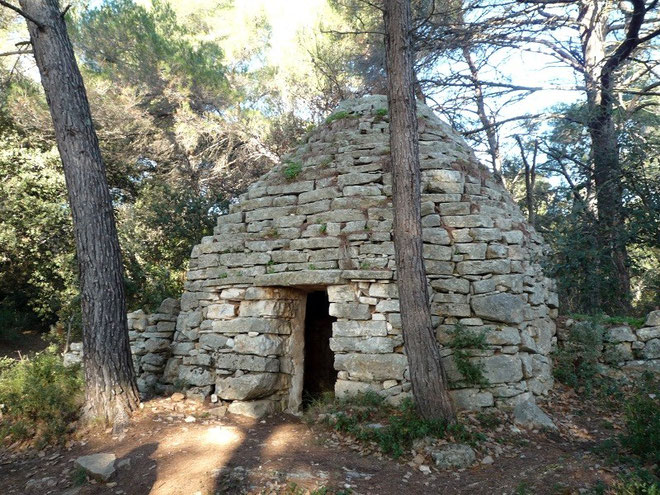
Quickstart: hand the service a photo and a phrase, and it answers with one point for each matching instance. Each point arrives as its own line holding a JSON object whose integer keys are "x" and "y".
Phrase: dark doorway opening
{"x": 319, "y": 375}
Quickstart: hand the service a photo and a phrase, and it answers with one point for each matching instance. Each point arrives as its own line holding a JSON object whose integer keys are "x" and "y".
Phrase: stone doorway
{"x": 319, "y": 367}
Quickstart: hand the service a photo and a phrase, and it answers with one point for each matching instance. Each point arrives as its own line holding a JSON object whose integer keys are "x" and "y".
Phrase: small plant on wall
{"x": 292, "y": 170}
{"x": 461, "y": 341}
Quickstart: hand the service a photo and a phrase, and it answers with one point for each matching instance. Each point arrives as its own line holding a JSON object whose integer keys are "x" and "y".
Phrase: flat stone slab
{"x": 454, "y": 456}
{"x": 98, "y": 466}
{"x": 528, "y": 414}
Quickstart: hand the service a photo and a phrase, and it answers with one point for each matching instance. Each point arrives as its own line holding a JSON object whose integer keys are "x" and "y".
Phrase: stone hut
{"x": 295, "y": 293}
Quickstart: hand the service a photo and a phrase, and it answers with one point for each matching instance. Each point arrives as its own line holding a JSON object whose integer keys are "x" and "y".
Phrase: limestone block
{"x": 502, "y": 368}
{"x": 497, "y": 251}
{"x": 472, "y": 251}
{"x": 315, "y": 207}
{"x": 352, "y": 311}
{"x": 454, "y": 456}
{"x": 528, "y": 414}
{"x": 616, "y": 353}
{"x": 261, "y": 345}
{"x": 246, "y": 362}
{"x": 499, "y": 307}
{"x": 341, "y": 293}
{"x": 465, "y": 221}
{"x": 383, "y": 290}
{"x": 306, "y": 277}
{"x": 152, "y": 359}
{"x": 293, "y": 187}
{"x": 244, "y": 259}
{"x": 169, "y": 306}
{"x": 98, "y": 466}
{"x": 318, "y": 195}
{"x": 653, "y": 319}
{"x": 437, "y": 252}
{"x": 469, "y": 399}
{"x": 253, "y": 409}
{"x": 263, "y": 308}
{"x": 375, "y": 345}
{"x": 212, "y": 341}
{"x": 454, "y": 284}
{"x": 269, "y": 245}
{"x": 289, "y": 221}
{"x": 437, "y": 235}
{"x": 269, "y": 213}
{"x": 365, "y": 190}
{"x": 246, "y": 387}
{"x": 220, "y": 311}
{"x": 368, "y": 328}
{"x": 356, "y": 179}
{"x": 388, "y": 306}
{"x": 289, "y": 257}
{"x": 651, "y": 350}
{"x": 485, "y": 234}
{"x": 231, "y": 218}
{"x": 483, "y": 267}
{"x": 195, "y": 376}
{"x": 619, "y": 334}
{"x": 434, "y": 267}
{"x": 372, "y": 366}
{"x": 232, "y": 293}
{"x": 648, "y": 333}
{"x": 503, "y": 336}
{"x": 315, "y": 243}
{"x": 157, "y": 345}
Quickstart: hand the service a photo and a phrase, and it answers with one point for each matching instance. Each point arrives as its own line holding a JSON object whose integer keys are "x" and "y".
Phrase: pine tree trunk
{"x": 598, "y": 78}
{"x": 111, "y": 392}
{"x": 427, "y": 375}
{"x": 609, "y": 198}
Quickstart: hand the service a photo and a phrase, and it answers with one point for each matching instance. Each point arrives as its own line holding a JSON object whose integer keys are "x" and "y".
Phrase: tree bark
{"x": 111, "y": 391}
{"x": 598, "y": 76}
{"x": 427, "y": 375}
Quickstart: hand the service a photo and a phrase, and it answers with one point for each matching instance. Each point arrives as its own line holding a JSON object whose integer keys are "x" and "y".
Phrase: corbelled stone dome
{"x": 295, "y": 292}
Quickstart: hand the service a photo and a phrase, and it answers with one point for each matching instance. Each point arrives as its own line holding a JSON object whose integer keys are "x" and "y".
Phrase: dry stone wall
{"x": 323, "y": 220}
{"x": 626, "y": 351}
{"x": 150, "y": 337}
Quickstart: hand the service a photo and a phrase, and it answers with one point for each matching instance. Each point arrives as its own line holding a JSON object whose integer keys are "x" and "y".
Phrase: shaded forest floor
{"x": 187, "y": 448}
{"x": 22, "y": 343}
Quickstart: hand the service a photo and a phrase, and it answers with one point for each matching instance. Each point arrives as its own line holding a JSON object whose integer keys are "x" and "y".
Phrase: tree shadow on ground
{"x": 137, "y": 470}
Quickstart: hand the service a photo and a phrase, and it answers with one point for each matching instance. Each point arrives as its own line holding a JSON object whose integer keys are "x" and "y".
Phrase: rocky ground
{"x": 183, "y": 447}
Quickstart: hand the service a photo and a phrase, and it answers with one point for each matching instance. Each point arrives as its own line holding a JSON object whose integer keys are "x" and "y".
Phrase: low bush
{"x": 642, "y": 416}
{"x": 638, "y": 483}
{"x": 462, "y": 341}
{"x": 368, "y": 419}
{"x": 39, "y": 397}
{"x": 576, "y": 363}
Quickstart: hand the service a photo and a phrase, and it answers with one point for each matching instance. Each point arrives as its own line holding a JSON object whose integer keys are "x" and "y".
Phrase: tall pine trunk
{"x": 111, "y": 391}
{"x": 598, "y": 77}
{"x": 427, "y": 375}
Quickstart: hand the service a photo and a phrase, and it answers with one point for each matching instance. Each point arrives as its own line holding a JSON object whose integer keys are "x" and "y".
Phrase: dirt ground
{"x": 188, "y": 448}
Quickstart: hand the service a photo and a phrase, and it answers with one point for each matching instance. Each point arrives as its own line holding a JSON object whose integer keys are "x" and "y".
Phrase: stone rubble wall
{"x": 323, "y": 220}
{"x": 151, "y": 338}
{"x": 626, "y": 349}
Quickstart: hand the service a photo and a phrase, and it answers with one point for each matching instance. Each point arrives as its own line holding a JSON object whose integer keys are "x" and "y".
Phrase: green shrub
{"x": 576, "y": 363}
{"x": 292, "y": 170}
{"x": 397, "y": 427}
{"x": 638, "y": 483}
{"x": 462, "y": 340}
{"x": 39, "y": 397}
{"x": 642, "y": 416}
{"x": 336, "y": 116}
